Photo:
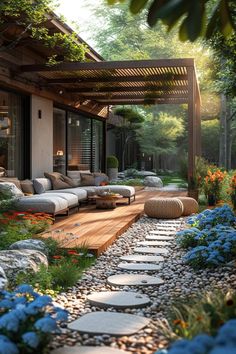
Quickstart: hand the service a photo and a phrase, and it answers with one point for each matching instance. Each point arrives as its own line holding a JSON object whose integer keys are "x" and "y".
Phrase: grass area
{"x": 180, "y": 182}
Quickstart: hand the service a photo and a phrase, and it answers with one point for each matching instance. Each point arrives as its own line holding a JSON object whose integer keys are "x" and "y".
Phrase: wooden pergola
{"x": 144, "y": 82}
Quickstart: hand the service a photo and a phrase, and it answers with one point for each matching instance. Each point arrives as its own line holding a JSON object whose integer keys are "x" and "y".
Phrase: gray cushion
{"x": 41, "y": 203}
{"x": 79, "y": 192}
{"x": 16, "y": 192}
{"x": 71, "y": 199}
{"x": 125, "y": 191}
{"x": 41, "y": 185}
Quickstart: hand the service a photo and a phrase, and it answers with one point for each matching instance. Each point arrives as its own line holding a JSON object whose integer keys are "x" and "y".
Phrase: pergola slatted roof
{"x": 95, "y": 85}
{"x": 134, "y": 82}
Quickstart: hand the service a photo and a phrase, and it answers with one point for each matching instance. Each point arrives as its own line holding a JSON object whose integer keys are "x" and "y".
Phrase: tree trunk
{"x": 223, "y": 130}
{"x": 228, "y": 137}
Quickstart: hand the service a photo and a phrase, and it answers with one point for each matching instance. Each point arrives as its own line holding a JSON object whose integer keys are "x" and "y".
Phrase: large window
{"x": 77, "y": 144}
{"x": 13, "y": 136}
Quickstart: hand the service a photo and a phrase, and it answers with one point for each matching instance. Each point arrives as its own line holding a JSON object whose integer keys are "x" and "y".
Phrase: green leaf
{"x": 225, "y": 19}
{"x": 183, "y": 31}
{"x": 137, "y": 5}
{"x": 164, "y": 9}
{"x": 213, "y": 22}
{"x": 194, "y": 20}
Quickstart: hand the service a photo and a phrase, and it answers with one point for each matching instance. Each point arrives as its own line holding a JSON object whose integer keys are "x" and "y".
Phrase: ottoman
{"x": 163, "y": 208}
{"x": 190, "y": 205}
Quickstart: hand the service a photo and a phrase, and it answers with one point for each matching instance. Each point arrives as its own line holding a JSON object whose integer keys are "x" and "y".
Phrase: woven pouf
{"x": 190, "y": 205}
{"x": 163, "y": 208}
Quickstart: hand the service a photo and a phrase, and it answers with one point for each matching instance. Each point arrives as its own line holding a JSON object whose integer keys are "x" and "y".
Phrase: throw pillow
{"x": 16, "y": 192}
{"x": 60, "y": 181}
{"x": 87, "y": 180}
{"x": 11, "y": 180}
{"x": 41, "y": 185}
{"x": 100, "y": 178}
{"x": 27, "y": 186}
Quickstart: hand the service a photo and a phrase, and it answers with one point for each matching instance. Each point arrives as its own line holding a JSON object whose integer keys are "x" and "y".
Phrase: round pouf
{"x": 190, "y": 205}
{"x": 163, "y": 208}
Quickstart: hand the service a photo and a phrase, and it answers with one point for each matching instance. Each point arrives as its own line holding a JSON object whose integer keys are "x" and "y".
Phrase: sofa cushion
{"x": 71, "y": 199}
{"x": 41, "y": 203}
{"x": 79, "y": 192}
{"x": 125, "y": 191}
{"x": 87, "y": 180}
{"x": 59, "y": 181}
{"x": 41, "y": 185}
{"x": 27, "y": 186}
{"x": 16, "y": 192}
{"x": 3, "y": 172}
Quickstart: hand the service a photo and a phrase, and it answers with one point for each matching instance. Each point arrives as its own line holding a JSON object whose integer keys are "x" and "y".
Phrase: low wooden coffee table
{"x": 107, "y": 202}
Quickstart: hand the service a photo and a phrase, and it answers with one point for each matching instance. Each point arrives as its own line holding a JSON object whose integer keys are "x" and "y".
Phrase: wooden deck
{"x": 97, "y": 229}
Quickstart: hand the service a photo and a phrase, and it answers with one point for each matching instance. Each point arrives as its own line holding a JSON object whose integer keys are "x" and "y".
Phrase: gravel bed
{"x": 180, "y": 280}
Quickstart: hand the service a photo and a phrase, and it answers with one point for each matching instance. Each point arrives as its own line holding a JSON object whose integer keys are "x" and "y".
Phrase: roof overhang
{"x": 166, "y": 81}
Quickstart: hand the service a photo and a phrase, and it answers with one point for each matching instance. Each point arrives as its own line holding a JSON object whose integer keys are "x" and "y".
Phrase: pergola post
{"x": 191, "y": 123}
{"x": 198, "y": 125}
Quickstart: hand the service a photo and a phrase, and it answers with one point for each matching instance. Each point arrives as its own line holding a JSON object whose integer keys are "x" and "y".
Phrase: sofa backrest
{"x": 41, "y": 185}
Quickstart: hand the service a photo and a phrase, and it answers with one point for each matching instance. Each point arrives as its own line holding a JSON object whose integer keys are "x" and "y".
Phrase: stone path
{"x": 88, "y": 350}
{"x": 120, "y": 324}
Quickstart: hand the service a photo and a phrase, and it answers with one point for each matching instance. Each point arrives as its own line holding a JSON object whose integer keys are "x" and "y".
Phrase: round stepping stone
{"x": 154, "y": 250}
{"x": 159, "y": 238}
{"x": 112, "y": 323}
{"x": 142, "y": 258}
{"x": 118, "y": 299}
{"x": 139, "y": 266}
{"x": 153, "y": 243}
{"x": 133, "y": 280}
{"x": 163, "y": 233}
{"x": 87, "y": 350}
{"x": 165, "y": 227}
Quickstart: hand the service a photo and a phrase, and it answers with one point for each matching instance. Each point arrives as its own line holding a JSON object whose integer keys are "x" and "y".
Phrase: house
{"x": 54, "y": 118}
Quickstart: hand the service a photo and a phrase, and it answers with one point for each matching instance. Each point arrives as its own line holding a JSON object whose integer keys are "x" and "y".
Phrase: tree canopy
{"x": 21, "y": 19}
{"x": 194, "y": 18}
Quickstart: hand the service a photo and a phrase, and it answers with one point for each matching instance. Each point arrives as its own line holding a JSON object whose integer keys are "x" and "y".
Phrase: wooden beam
{"x": 144, "y": 102}
{"x": 108, "y": 97}
{"x": 95, "y": 89}
{"x": 198, "y": 125}
{"x": 110, "y": 65}
{"x": 191, "y": 124}
{"x": 128, "y": 78}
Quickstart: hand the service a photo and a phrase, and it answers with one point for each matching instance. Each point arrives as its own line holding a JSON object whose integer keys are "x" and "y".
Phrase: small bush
{"x": 11, "y": 235}
{"x": 112, "y": 162}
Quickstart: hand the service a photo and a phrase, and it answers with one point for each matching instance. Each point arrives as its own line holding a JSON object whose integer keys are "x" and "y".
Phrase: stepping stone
{"x": 112, "y": 323}
{"x": 139, "y": 266}
{"x": 154, "y": 250}
{"x": 88, "y": 350}
{"x": 142, "y": 258}
{"x": 170, "y": 222}
{"x": 165, "y": 228}
{"x": 163, "y": 233}
{"x": 134, "y": 280}
{"x": 118, "y": 299}
{"x": 159, "y": 238}
{"x": 153, "y": 243}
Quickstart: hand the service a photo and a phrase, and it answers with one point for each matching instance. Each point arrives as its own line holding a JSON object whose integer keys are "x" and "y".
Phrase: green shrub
{"x": 129, "y": 182}
{"x": 201, "y": 314}
{"x": 12, "y": 234}
{"x": 41, "y": 280}
{"x": 112, "y": 162}
{"x": 65, "y": 274}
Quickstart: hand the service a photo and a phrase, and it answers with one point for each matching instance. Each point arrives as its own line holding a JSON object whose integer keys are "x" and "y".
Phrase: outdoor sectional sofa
{"x": 58, "y": 201}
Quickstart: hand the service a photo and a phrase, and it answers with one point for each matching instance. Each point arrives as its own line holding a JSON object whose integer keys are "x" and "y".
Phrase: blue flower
{"x": 25, "y": 288}
{"x": 62, "y": 315}
{"x": 7, "y": 347}
{"x": 31, "y": 339}
{"x": 46, "y": 324}
{"x": 6, "y": 304}
{"x": 9, "y": 322}
{"x": 223, "y": 350}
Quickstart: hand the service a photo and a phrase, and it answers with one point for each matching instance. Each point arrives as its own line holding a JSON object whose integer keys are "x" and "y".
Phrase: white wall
{"x": 41, "y": 136}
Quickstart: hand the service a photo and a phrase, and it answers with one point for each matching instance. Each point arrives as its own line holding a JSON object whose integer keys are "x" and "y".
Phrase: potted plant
{"x": 233, "y": 191}
{"x": 213, "y": 185}
{"x": 112, "y": 167}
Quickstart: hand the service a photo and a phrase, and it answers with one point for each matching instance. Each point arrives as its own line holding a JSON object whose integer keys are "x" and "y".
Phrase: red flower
{"x": 57, "y": 257}
{"x": 73, "y": 253}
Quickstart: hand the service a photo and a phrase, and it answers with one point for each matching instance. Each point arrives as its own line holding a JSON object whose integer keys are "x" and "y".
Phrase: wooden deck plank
{"x": 98, "y": 228}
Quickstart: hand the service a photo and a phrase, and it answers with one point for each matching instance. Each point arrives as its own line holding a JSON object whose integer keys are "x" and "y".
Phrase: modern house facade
{"x": 42, "y": 128}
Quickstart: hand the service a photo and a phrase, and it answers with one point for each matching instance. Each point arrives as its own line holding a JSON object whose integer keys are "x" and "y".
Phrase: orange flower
{"x": 57, "y": 257}
{"x": 74, "y": 261}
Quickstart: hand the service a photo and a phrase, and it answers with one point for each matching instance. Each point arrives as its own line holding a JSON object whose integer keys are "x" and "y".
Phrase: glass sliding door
{"x": 79, "y": 142}
{"x": 13, "y": 114}
{"x": 59, "y": 140}
{"x": 97, "y": 155}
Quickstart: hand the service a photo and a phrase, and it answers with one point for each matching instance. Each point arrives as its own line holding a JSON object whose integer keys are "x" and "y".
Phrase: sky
{"x": 80, "y": 12}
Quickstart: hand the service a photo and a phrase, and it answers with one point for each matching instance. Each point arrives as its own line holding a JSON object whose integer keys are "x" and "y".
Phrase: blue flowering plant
{"x": 223, "y": 215}
{"x": 27, "y": 321}
{"x": 223, "y": 343}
